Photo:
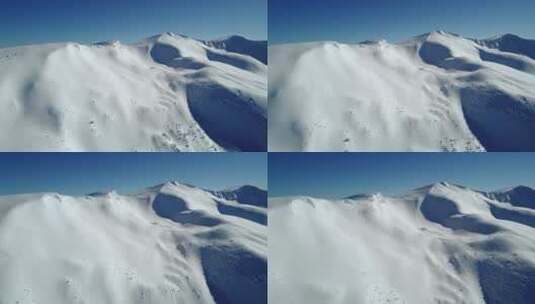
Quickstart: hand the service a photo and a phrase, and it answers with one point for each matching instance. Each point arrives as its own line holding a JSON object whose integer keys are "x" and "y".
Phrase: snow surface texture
{"x": 165, "y": 93}
{"x": 435, "y": 92}
{"x": 437, "y": 244}
{"x": 171, "y": 243}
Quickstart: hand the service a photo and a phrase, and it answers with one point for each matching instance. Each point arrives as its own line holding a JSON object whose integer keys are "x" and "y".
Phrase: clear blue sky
{"x": 344, "y": 174}
{"x": 83, "y": 173}
{"x": 39, "y": 21}
{"x": 396, "y": 20}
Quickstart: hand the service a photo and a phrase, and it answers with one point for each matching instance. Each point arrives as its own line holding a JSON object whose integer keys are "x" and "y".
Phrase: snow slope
{"x": 437, "y": 244}
{"x": 237, "y": 44}
{"x": 171, "y": 243}
{"x": 434, "y": 92}
{"x": 164, "y": 93}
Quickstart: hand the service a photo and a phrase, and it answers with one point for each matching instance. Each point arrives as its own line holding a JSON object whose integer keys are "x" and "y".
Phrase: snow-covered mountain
{"x": 238, "y": 44}
{"x": 434, "y": 92}
{"x": 441, "y": 243}
{"x": 172, "y": 243}
{"x": 164, "y": 93}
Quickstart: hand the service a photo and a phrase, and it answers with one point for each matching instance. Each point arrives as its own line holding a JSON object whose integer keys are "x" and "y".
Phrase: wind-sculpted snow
{"x": 171, "y": 243}
{"x": 435, "y": 92}
{"x": 441, "y": 243}
{"x": 165, "y": 93}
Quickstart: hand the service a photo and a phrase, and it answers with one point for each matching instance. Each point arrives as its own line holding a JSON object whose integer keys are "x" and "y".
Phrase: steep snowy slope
{"x": 171, "y": 243}
{"x": 438, "y": 244}
{"x": 435, "y": 92}
{"x": 165, "y": 93}
{"x": 512, "y": 44}
{"x": 239, "y": 44}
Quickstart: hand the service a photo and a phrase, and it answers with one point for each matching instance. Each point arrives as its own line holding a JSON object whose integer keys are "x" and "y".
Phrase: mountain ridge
{"x": 458, "y": 86}
{"x": 173, "y": 93}
{"x": 461, "y": 243}
{"x": 445, "y": 184}
{"x": 189, "y": 236}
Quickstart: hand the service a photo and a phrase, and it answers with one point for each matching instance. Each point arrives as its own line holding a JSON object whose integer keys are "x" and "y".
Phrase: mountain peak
{"x": 164, "y": 37}
{"x": 507, "y": 36}
{"x": 231, "y": 38}
{"x": 510, "y": 43}
{"x": 164, "y": 34}
{"x": 242, "y": 45}
{"x": 439, "y": 32}
{"x": 435, "y": 185}
{"x": 246, "y": 194}
{"x": 523, "y": 187}
{"x": 171, "y": 184}
{"x": 177, "y": 183}
{"x": 519, "y": 188}
{"x": 521, "y": 196}
{"x": 436, "y": 33}
{"x": 245, "y": 187}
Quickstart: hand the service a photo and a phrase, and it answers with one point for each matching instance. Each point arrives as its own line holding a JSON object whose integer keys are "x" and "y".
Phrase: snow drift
{"x": 437, "y": 244}
{"x": 165, "y": 93}
{"x": 171, "y": 243}
{"x": 435, "y": 92}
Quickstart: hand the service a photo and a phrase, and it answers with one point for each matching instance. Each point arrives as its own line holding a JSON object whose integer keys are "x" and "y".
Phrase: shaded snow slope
{"x": 238, "y": 44}
{"x": 247, "y": 194}
{"x": 435, "y": 92}
{"x": 510, "y": 43}
{"x": 172, "y": 243}
{"x": 165, "y": 93}
{"x": 438, "y": 244}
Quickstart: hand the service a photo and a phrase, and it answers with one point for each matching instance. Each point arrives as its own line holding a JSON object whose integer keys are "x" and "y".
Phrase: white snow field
{"x": 165, "y": 93}
{"x": 438, "y": 244}
{"x": 434, "y": 92}
{"x": 171, "y": 243}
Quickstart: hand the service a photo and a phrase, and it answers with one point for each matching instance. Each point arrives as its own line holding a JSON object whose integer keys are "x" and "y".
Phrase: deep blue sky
{"x": 39, "y": 21}
{"x": 396, "y": 20}
{"x": 344, "y": 174}
{"x": 83, "y": 173}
